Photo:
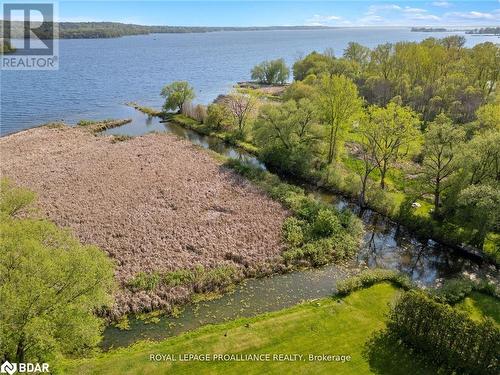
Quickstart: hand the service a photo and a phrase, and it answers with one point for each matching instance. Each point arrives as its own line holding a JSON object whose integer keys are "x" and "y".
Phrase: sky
{"x": 284, "y": 12}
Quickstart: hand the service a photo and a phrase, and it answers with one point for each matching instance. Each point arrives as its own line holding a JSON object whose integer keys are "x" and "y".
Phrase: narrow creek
{"x": 386, "y": 245}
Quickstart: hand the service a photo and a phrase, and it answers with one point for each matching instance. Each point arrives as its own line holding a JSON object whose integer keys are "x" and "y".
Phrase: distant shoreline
{"x": 94, "y": 30}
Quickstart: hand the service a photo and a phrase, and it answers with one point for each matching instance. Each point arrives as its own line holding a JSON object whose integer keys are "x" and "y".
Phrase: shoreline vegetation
{"x": 485, "y": 31}
{"x": 428, "y": 29}
{"x": 248, "y": 220}
{"x": 370, "y": 126}
{"x": 367, "y": 321}
{"x": 91, "y": 30}
{"x": 307, "y": 234}
{"x": 201, "y": 128}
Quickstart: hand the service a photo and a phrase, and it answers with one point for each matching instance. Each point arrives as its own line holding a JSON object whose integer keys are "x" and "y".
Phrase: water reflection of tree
{"x": 420, "y": 260}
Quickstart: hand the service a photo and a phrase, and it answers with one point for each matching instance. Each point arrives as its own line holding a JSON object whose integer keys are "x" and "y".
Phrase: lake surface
{"x": 97, "y": 76}
{"x": 385, "y": 245}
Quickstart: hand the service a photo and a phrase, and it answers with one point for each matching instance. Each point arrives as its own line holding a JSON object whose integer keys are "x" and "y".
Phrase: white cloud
{"x": 414, "y": 10}
{"x": 327, "y": 20}
{"x": 392, "y": 14}
{"x": 395, "y": 15}
{"x": 473, "y": 15}
{"x": 423, "y": 17}
{"x": 373, "y": 9}
{"x": 442, "y": 4}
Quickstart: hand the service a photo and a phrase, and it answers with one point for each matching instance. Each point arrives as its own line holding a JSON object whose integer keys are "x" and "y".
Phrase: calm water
{"x": 385, "y": 245}
{"x": 97, "y": 76}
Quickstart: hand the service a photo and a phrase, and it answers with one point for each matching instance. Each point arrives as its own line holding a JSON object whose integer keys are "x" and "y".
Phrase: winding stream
{"x": 385, "y": 245}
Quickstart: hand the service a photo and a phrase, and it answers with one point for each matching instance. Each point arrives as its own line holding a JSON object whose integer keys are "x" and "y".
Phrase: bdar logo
{"x": 8, "y": 368}
{"x": 23, "y": 368}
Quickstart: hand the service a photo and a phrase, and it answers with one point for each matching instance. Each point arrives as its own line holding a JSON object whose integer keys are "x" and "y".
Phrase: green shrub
{"x": 447, "y": 337}
{"x": 178, "y": 277}
{"x": 145, "y": 281}
{"x": 317, "y": 233}
{"x": 368, "y": 278}
{"x": 199, "y": 278}
{"x": 245, "y": 169}
{"x": 326, "y": 223}
{"x": 303, "y": 207}
{"x": 292, "y": 231}
{"x": 281, "y": 191}
{"x": 13, "y": 199}
{"x": 455, "y": 290}
{"x": 214, "y": 279}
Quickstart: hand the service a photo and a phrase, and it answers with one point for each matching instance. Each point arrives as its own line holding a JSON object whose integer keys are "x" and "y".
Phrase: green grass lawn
{"x": 480, "y": 305}
{"x": 326, "y": 326}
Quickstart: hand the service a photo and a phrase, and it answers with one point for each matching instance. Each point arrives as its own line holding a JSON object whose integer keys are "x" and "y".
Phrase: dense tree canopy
{"x": 50, "y": 286}
{"x": 410, "y": 129}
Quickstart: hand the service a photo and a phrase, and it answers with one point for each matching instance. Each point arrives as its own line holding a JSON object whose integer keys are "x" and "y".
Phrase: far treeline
{"x": 90, "y": 30}
{"x": 485, "y": 30}
{"x": 411, "y": 130}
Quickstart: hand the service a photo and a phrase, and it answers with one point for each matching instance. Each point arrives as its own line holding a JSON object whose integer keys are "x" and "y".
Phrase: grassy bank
{"x": 100, "y": 125}
{"x": 203, "y": 129}
{"x": 479, "y": 305}
{"x": 326, "y": 326}
{"x": 331, "y": 326}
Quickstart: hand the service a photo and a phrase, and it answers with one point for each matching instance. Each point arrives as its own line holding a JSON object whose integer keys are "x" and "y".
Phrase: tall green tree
{"x": 240, "y": 106}
{"x": 488, "y": 117}
{"x": 177, "y": 94}
{"x": 479, "y": 205}
{"x": 442, "y": 145}
{"x": 50, "y": 288}
{"x": 382, "y": 60}
{"x": 481, "y": 157}
{"x": 290, "y": 124}
{"x": 358, "y": 53}
{"x": 390, "y": 132}
{"x": 288, "y": 135}
{"x": 367, "y": 151}
{"x": 485, "y": 59}
{"x": 271, "y": 72}
{"x": 338, "y": 107}
{"x": 314, "y": 63}
{"x": 218, "y": 117}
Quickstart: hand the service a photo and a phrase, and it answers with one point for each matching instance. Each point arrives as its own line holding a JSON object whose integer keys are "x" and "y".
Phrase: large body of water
{"x": 97, "y": 76}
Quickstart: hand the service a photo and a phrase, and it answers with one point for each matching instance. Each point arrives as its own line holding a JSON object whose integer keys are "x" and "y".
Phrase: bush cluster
{"x": 455, "y": 290}
{"x": 449, "y": 338}
{"x": 199, "y": 278}
{"x": 271, "y": 72}
{"x": 316, "y": 233}
{"x": 368, "y": 278}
